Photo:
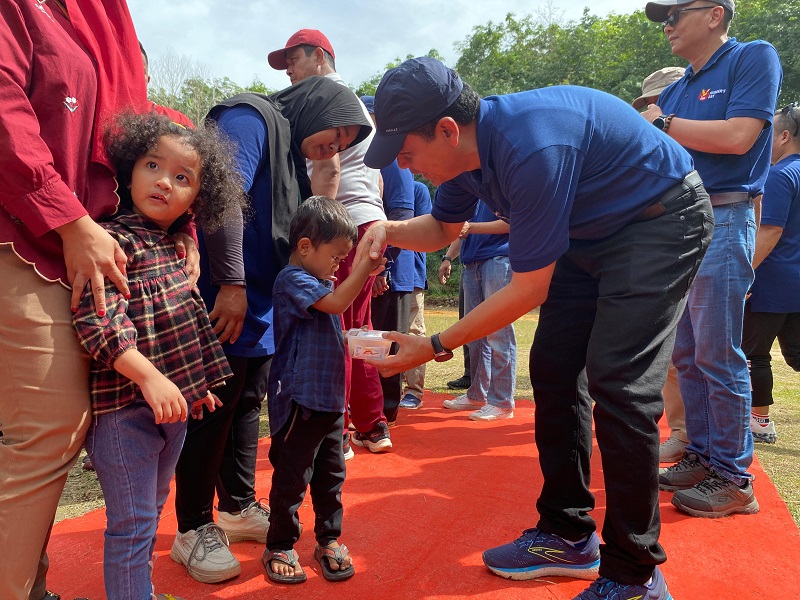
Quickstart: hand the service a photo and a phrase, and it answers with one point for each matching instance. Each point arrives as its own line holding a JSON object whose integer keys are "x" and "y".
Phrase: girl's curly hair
{"x": 221, "y": 193}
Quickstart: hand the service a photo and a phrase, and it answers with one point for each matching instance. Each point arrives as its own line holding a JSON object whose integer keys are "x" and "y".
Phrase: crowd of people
{"x": 163, "y": 278}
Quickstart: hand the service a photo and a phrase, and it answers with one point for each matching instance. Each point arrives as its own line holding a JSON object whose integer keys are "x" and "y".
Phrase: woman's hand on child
{"x": 211, "y": 402}
{"x": 91, "y": 254}
{"x": 185, "y": 247}
{"x": 166, "y": 400}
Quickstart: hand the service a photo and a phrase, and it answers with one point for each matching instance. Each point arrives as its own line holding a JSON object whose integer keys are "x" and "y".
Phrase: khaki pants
{"x": 415, "y": 378}
{"x": 673, "y": 405}
{"x": 44, "y": 415}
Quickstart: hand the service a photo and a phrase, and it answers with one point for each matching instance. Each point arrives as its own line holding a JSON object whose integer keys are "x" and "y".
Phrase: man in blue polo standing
{"x": 608, "y": 225}
{"x": 721, "y": 112}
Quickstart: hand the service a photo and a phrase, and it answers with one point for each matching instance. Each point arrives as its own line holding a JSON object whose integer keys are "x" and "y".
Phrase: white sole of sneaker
{"x": 246, "y": 537}
{"x": 381, "y": 446}
{"x": 207, "y": 576}
{"x": 587, "y": 572}
{"x": 492, "y": 418}
{"x": 475, "y": 406}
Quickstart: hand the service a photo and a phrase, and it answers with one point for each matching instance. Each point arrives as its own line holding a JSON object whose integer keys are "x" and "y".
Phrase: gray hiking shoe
{"x": 685, "y": 473}
{"x": 715, "y": 496}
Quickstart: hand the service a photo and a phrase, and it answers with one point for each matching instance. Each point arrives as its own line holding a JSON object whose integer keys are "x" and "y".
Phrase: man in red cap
{"x": 308, "y": 53}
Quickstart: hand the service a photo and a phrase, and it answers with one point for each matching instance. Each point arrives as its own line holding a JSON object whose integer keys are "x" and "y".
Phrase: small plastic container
{"x": 367, "y": 343}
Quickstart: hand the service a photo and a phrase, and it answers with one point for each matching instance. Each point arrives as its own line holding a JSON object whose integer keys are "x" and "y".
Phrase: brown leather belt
{"x": 729, "y": 198}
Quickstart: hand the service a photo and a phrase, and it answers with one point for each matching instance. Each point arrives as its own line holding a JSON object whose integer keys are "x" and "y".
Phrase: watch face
{"x": 659, "y": 122}
{"x": 443, "y": 356}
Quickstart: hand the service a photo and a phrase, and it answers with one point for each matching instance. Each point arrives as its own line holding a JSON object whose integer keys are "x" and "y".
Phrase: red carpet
{"x": 418, "y": 518}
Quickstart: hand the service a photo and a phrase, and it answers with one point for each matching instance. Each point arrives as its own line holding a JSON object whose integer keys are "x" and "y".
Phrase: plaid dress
{"x": 165, "y": 319}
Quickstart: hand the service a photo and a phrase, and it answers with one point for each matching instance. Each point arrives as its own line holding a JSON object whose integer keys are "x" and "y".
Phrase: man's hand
{"x": 211, "y": 402}
{"x": 185, "y": 247}
{"x": 166, "y": 400}
{"x": 653, "y": 111}
{"x": 414, "y": 351}
{"x": 91, "y": 254}
{"x": 444, "y": 271}
{"x": 371, "y": 244}
{"x": 230, "y": 308}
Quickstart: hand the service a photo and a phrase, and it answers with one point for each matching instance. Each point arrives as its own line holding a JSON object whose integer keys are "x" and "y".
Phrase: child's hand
{"x": 166, "y": 400}
{"x": 211, "y": 402}
{"x": 377, "y": 263}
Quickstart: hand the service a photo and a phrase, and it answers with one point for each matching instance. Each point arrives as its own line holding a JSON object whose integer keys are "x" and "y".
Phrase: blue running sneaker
{"x": 539, "y": 554}
{"x": 411, "y": 402}
{"x": 605, "y": 589}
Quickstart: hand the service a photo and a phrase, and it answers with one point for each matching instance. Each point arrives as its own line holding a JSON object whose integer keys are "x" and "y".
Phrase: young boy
{"x": 305, "y": 394}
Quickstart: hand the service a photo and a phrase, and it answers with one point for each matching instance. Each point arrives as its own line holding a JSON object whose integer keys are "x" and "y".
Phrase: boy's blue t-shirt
{"x": 739, "y": 80}
{"x": 246, "y": 127}
{"x": 309, "y": 361}
{"x": 481, "y": 246}
{"x": 562, "y": 162}
{"x": 776, "y": 288}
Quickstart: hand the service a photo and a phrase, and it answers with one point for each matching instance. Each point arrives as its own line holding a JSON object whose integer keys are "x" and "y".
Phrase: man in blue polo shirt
{"x": 609, "y": 223}
{"x": 721, "y": 112}
{"x": 773, "y": 310}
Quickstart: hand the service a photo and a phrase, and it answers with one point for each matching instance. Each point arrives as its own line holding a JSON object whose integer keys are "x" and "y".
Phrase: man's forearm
{"x": 422, "y": 234}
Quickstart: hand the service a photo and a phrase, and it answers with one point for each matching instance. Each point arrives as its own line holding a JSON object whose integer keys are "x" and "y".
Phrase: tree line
{"x": 613, "y": 53}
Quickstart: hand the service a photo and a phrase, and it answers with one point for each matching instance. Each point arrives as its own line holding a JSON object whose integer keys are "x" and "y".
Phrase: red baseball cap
{"x": 304, "y": 37}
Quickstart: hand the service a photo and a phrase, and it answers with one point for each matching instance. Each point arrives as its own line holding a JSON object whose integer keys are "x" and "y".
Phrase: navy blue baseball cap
{"x": 408, "y": 96}
{"x": 369, "y": 102}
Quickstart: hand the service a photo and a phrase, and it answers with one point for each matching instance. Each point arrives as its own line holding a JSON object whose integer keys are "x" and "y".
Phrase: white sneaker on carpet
{"x": 205, "y": 553}
{"x": 462, "y": 403}
{"x": 250, "y": 524}
{"x": 492, "y": 413}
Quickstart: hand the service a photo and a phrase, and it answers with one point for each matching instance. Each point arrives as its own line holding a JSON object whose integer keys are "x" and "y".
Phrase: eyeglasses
{"x": 673, "y": 19}
{"x": 792, "y": 112}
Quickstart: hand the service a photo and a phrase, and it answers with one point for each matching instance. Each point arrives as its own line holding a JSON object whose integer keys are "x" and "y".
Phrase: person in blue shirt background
{"x": 415, "y": 378}
{"x": 483, "y": 245}
{"x": 609, "y": 223}
{"x": 721, "y": 112}
{"x": 773, "y": 309}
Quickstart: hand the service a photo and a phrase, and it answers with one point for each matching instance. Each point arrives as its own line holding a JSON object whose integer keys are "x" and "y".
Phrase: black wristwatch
{"x": 447, "y": 258}
{"x": 662, "y": 122}
{"x": 440, "y": 353}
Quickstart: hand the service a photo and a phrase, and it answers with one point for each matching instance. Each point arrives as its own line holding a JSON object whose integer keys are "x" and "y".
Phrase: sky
{"x": 231, "y": 38}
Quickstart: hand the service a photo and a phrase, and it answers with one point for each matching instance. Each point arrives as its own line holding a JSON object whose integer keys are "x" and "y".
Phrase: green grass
{"x": 781, "y": 461}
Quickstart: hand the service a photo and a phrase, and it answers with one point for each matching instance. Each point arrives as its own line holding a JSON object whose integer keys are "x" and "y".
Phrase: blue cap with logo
{"x": 416, "y": 92}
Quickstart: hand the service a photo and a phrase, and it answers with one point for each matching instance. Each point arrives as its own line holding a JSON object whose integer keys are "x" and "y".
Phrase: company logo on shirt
{"x": 709, "y": 94}
{"x": 71, "y": 103}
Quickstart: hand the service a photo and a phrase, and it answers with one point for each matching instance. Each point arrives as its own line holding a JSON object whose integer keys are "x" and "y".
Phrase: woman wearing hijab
{"x": 314, "y": 119}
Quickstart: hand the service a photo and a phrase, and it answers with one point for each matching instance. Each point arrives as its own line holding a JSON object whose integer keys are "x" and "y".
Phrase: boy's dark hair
{"x": 131, "y": 136}
{"x": 463, "y": 111}
{"x": 321, "y": 220}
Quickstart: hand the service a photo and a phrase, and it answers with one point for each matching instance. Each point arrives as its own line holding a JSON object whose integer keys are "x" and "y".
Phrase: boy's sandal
{"x": 287, "y": 557}
{"x": 324, "y": 555}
